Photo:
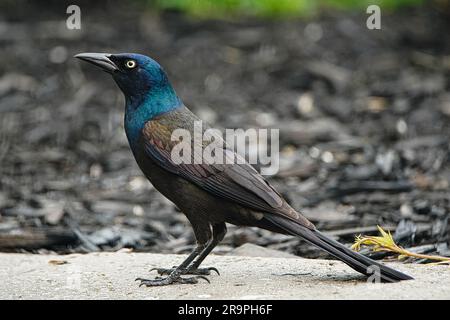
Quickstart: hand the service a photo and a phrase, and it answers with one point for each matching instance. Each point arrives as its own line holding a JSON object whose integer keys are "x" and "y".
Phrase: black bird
{"x": 209, "y": 194}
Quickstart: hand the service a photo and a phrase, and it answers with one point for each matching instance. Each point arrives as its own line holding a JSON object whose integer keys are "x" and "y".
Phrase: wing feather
{"x": 236, "y": 182}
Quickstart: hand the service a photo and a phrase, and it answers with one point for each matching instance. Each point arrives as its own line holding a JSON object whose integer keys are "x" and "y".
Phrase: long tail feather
{"x": 353, "y": 259}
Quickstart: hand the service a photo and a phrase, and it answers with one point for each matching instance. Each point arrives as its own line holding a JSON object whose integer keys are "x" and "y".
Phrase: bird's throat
{"x": 141, "y": 109}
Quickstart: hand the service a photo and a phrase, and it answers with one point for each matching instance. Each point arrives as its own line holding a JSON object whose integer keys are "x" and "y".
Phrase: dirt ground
{"x": 363, "y": 118}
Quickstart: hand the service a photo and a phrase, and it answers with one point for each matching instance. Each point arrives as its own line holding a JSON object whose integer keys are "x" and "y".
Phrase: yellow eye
{"x": 130, "y": 64}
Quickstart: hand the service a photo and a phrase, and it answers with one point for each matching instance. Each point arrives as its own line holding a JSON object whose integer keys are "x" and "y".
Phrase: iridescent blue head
{"x": 143, "y": 81}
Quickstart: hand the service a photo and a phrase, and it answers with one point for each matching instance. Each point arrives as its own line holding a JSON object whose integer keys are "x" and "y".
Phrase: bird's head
{"x": 139, "y": 77}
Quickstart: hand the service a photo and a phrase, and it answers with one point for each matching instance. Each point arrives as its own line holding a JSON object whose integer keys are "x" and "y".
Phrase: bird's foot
{"x": 192, "y": 271}
{"x": 158, "y": 281}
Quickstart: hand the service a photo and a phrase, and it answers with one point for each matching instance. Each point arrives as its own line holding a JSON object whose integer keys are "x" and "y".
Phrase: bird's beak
{"x": 101, "y": 60}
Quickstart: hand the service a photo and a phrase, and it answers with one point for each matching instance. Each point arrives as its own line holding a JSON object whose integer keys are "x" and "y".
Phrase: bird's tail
{"x": 353, "y": 259}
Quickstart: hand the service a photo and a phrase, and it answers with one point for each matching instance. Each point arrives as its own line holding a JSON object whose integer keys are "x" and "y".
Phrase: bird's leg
{"x": 219, "y": 231}
{"x": 175, "y": 273}
{"x": 203, "y": 234}
{"x": 184, "y": 265}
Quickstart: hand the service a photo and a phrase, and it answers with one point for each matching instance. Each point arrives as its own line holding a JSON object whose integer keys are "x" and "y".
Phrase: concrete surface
{"x": 111, "y": 276}
{"x": 253, "y": 250}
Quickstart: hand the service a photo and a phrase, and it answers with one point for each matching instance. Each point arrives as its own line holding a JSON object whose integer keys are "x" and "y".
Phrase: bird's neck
{"x": 140, "y": 109}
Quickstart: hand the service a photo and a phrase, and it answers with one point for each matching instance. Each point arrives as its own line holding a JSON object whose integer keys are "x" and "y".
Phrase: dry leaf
{"x": 57, "y": 262}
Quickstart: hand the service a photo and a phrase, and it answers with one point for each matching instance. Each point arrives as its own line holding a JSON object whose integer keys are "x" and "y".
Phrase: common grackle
{"x": 209, "y": 194}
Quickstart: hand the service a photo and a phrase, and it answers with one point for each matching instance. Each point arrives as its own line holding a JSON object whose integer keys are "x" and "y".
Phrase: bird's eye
{"x": 130, "y": 64}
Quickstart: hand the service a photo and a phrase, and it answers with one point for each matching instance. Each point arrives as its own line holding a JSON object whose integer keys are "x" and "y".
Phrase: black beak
{"x": 101, "y": 60}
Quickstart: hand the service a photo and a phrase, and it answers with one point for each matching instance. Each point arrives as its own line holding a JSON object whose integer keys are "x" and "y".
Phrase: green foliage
{"x": 357, "y": 4}
{"x": 273, "y": 8}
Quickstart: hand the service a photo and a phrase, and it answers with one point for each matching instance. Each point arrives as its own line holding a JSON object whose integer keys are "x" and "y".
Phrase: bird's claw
{"x": 169, "y": 280}
{"x": 192, "y": 271}
{"x": 209, "y": 269}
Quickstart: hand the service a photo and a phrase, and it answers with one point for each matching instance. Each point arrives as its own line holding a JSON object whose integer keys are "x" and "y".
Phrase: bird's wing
{"x": 236, "y": 182}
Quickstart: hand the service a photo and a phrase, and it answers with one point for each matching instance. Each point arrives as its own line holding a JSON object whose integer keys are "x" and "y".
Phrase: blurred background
{"x": 363, "y": 117}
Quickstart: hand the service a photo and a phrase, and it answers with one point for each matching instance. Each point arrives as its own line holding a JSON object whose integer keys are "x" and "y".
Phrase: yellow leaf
{"x": 386, "y": 243}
